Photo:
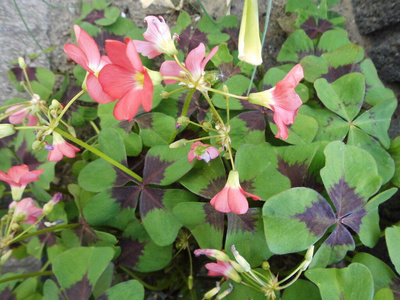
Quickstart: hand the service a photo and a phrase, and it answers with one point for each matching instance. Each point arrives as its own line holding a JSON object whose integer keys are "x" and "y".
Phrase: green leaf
{"x": 244, "y": 230}
{"x": 222, "y": 56}
{"x": 205, "y": 179}
{"x": 155, "y": 128}
{"x": 78, "y": 269}
{"x": 111, "y": 144}
{"x": 298, "y": 42}
{"x": 204, "y": 222}
{"x": 351, "y": 283}
{"x": 111, "y": 15}
{"x": 344, "y": 96}
{"x": 384, "y": 161}
{"x": 97, "y": 176}
{"x": 345, "y": 55}
{"x": 301, "y": 290}
{"x": 376, "y": 121}
{"x": 105, "y": 113}
{"x": 395, "y": 153}
{"x": 333, "y": 39}
{"x": 255, "y": 163}
{"x": 128, "y": 290}
{"x": 302, "y": 214}
{"x": 140, "y": 253}
{"x": 238, "y": 85}
{"x": 156, "y": 207}
{"x": 393, "y": 244}
{"x": 133, "y": 142}
{"x": 164, "y": 165}
{"x": 247, "y": 128}
{"x": 50, "y": 290}
{"x": 314, "y": 67}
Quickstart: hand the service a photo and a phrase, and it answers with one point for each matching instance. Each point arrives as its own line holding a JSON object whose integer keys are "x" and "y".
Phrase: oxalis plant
{"x": 168, "y": 158}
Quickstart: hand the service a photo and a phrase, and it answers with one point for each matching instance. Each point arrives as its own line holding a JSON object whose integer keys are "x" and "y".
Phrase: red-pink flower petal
{"x": 146, "y": 49}
{"x": 116, "y": 52}
{"x": 133, "y": 56}
{"x": 87, "y": 44}
{"x": 116, "y": 80}
{"x": 128, "y": 105}
{"x": 170, "y": 68}
{"x": 27, "y": 208}
{"x": 220, "y": 200}
{"x": 95, "y": 90}
{"x": 194, "y": 61}
{"x": 78, "y": 56}
{"x": 221, "y": 268}
{"x": 237, "y": 201}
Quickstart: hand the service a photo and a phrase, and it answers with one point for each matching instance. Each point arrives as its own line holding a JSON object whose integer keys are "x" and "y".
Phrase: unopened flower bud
{"x": 240, "y": 259}
{"x": 308, "y": 257}
{"x": 190, "y": 282}
{"x": 164, "y": 94}
{"x": 48, "y": 207}
{"x": 218, "y": 255}
{"x": 210, "y": 77}
{"x": 22, "y": 63}
{"x": 206, "y": 126}
{"x": 14, "y": 226}
{"x": 6, "y": 130}
{"x": 71, "y": 130}
{"x": 183, "y": 120}
{"x": 265, "y": 265}
{"x": 211, "y": 293}
{"x": 155, "y": 76}
{"x": 5, "y": 257}
{"x": 226, "y": 292}
{"x": 178, "y": 144}
{"x": 38, "y": 145}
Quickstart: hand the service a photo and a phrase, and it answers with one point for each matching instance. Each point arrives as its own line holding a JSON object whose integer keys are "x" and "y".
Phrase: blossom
{"x": 126, "y": 79}
{"x": 223, "y": 268}
{"x": 232, "y": 197}
{"x": 26, "y": 211}
{"x": 60, "y": 148}
{"x": 87, "y": 55}
{"x": 21, "y": 112}
{"x": 18, "y": 178}
{"x": 249, "y": 44}
{"x": 202, "y": 152}
{"x": 217, "y": 254}
{"x": 158, "y": 37}
{"x": 282, "y": 99}
{"x": 195, "y": 63}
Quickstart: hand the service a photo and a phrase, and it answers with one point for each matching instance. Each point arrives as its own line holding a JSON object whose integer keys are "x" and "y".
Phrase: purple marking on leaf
{"x": 318, "y": 217}
{"x": 214, "y": 217}
{"x": 79, "y": 290}
{"x": 340, "y": 237}
{"x": 213, "y": 188}
{"x": 19, "y": 74}
{"x": 127, "y": 196}
{"x": 312, "y": 29}
{"x": 336, "y": 73}
{"x": 93, "y": 16}
{"x": 6, "y": 294}
{"x": 191, "y": 40}
{"x": 244, "y": 223}
{"x": 226, "y": 71}
{"x": 154, "y": 169}
{"x": 297, "y": 172}
{"x": 49, "y": 239}
{"x": 86, "y": 234}
{"x": 233, "y": 41}
{"x": 254, "y": 120}
{"x": 27, "y": 157}
{"x": 131, "y": 250}
{"x": 151, "y": 199}
{"x": 104, "y": 35}
{"x": 353, "y": 220}
{"x": 344, "y": 198}
{"x": 395, "y": 287}
{"x": 122, "y": 178}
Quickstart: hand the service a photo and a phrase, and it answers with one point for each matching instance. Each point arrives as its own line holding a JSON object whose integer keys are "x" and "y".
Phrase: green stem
{"x": 145, "y": 284}
{"x": 226, "y": 94}
{"x": 262, "y": 42}
{"x": 206, "y": 13}
{"x": 212, "y": 107}
{"x": 96, "y": 129}
{"x": 137, "y": 178}
{"x": 39, "y": 232}
{"x": 27, "y": 275}
{"x": 68, "y": 105}
{"x": 26, "y": 230}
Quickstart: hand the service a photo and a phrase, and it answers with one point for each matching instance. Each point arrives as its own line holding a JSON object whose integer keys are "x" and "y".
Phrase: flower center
{"x": 139, "y": 80}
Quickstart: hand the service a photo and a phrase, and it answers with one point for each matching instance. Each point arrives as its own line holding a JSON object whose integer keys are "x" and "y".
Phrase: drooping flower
{"x": 282, "y": 100}
{"x": 126, "y": 79}
{"x": 232, "y": 197}
{"x": 26, "y": 211}
{"x": 60, "y": 148}
{"x": 202, "y": 152}
{"x": 223, "y": 268}
{"x": 21, "y": 112}
{"x": 249, "y": 44}
{"x": 158, "y": 37}
{"x": 195, "y": 63}
{"x": 87, "y": 55}
{"x": 6, "y": 130}
{"x": 217, "y": 254}
{"x": 18, "y": 178}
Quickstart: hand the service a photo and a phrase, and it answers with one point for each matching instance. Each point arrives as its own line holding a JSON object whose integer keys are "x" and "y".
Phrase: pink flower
{"x": 158, "y": 37}
{"x": 217, "y": 254}
{"x": 194, "y": 63}
{"x": 223, "y": 268}
{"x": 126, "y": 79}
{"x": 20, "y": 113}
{"x": 232, "y": 197}
{"x": 26, "y": 211}
{"x": 87, "y": 55}
{"x": 18, "y": 178}
{"x": 48, "y": 207}
{"x": 60, "y": 148}
{"x": 282, "y": 99}
{"x": 202, "y": 151}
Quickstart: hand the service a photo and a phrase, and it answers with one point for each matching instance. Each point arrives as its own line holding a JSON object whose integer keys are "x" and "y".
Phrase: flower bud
{"x": 164, "y": 94}
{"x": 178, "y": 144}
{"x": 190, "y": 282}
{"x": 38, "y": 145}
{"x": 183, "y": 120}
{"x": 22, "y": 63}
{"x": 218, "y": 255}
{"x": 211, "y": 293}
{"x": 265, "y": 265}
{"x": 6, "y": 130}
{"x": 240, "y": 259}
{"x": 226, "y": 292}
{"x": 206, "y": 126}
